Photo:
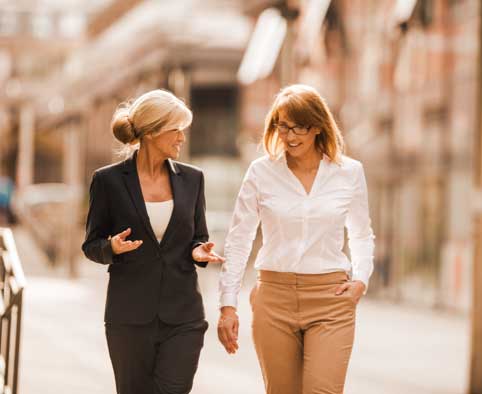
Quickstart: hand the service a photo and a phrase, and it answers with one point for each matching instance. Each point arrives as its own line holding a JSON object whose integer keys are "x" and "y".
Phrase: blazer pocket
{"x": 128, "y": 266}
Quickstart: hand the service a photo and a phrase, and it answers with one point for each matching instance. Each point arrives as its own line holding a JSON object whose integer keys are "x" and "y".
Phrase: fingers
{"x": 222, "y": 334}
{"x": 215, "y": 258}
{"x": 227, "y": 333}
{"x": 128, "y": 246}
{"x": 231, "y": 343}
{"x": 199, "y": 254}
{"x": 208, "y": 246}
{"x": 224, "y": 339}
{"x": 358, "y": 289}
{"x": 206, "y": 254}
{"x": 120, "y": 245}
{"x": 230, "y": 334}
{"x": 219, "y": 258}
{"x": 361, "y": 285}
{"x": 342, "y": 288}
{"x": 236, "y": 331}
{"x": 124, "y": 233}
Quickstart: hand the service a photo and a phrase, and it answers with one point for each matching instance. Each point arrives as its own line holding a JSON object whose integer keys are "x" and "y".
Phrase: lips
{"x": 294, "y": 145}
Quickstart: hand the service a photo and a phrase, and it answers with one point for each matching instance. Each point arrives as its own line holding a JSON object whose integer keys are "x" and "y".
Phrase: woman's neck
{"x": 308, "y": 162}
{"x": 150, "y": 164}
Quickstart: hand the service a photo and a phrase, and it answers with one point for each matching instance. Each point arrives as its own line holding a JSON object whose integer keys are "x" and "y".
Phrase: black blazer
{"x": 158, "y": 278}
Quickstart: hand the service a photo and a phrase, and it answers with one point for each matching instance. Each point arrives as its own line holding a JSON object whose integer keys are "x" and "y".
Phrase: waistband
{"x": 293, "y": 278}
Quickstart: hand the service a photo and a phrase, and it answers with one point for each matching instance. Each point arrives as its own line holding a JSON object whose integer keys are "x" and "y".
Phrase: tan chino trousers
{"x": 303, "y": 333}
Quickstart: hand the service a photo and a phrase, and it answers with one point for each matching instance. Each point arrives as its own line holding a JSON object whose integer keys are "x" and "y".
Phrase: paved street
{"x": 398, "y": 350}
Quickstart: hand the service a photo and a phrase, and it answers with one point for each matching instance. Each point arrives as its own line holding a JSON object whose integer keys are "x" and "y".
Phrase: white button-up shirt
{"x": 302, "y": 232}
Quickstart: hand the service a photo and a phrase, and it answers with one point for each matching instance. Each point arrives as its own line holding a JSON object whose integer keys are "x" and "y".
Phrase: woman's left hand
{"x": 204, "y": 253}
{"x": 355, "y": 288}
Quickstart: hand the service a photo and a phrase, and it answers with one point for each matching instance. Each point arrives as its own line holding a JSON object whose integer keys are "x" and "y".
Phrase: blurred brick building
{"x": 400, "y": 76}
{"x": 65, "y": 67}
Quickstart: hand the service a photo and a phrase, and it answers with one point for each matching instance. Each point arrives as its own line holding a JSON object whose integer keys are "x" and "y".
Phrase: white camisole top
{"x": 159, "y": 215}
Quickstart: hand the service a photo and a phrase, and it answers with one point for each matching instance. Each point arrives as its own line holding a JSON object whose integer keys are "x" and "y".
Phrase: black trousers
{"x": 155, "y": 358}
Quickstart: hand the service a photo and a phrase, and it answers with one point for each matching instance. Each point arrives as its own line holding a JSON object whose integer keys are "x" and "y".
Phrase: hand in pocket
{"x": 354, "y": 288}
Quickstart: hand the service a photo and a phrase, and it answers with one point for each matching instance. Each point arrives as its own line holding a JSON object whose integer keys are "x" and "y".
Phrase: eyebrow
{"x": 286, "y": 124}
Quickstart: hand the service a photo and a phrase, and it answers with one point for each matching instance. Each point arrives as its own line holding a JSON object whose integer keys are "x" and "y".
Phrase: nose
{"x": 181, "y": 136}
{"x": 291, "y": 136}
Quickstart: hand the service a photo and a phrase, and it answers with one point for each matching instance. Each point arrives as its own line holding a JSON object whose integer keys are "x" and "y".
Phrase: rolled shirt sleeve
{"x": 360, "y": 233}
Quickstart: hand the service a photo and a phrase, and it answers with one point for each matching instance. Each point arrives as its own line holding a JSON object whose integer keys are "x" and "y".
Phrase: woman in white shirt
{"x": 304, "y": 192}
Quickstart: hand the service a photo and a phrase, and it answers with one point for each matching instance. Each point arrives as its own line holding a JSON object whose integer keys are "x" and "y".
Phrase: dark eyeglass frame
{"x": 297, "y": 129}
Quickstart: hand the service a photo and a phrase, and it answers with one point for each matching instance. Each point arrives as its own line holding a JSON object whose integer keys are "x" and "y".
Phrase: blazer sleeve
{"x": 201, "y": 234}
{"x": 96, "y": 246}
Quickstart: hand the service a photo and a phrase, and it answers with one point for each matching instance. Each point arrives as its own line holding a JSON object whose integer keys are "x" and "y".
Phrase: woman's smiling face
{"x": 294, "y": 144}
{"x": 167, "y": 143}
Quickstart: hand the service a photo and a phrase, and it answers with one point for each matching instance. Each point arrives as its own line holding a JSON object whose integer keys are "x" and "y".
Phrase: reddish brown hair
{"x": 304, "y": 106}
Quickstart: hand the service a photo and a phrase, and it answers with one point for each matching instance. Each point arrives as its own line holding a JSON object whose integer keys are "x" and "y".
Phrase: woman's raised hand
{"x": 120, "y": 245}
{"x": 204, "y": 253}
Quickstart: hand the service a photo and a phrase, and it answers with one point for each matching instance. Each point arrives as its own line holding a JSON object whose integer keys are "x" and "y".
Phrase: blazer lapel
{"x": 131, "y": 179}
{"x": 176, "y": 188}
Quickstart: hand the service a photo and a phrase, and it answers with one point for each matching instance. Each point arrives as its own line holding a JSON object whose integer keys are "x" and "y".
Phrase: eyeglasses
{"x": 298, "y": 130}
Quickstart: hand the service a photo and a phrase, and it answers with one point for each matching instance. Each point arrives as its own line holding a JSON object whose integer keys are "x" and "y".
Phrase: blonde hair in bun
{"x": 122, "y": 127}
{"x": 151, "y": 113}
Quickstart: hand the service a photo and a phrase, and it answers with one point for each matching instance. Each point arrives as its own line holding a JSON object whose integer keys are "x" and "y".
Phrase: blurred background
{"x": 403, "y": 79}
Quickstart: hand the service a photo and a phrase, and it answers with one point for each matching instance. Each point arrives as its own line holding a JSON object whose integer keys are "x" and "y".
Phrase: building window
{"x": 41, "y": 25}
{"x": 214, "y": 127}
{"x": 425, "y": 12}
{"x": 8, "y": 23}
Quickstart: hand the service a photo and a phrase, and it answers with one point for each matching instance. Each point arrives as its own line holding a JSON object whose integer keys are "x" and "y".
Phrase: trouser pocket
{"x": 252, "y": 295}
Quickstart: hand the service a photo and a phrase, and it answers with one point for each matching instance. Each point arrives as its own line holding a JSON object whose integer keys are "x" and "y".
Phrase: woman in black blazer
{"x": 146, "y": 221}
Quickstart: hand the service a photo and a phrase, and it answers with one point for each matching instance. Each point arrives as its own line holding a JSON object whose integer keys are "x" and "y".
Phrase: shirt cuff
{"x": 228, "y": 299}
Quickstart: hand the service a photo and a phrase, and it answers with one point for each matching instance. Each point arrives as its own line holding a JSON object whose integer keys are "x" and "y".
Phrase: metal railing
{"x": 12, "y": 284}
{"x": 50, "y": 211}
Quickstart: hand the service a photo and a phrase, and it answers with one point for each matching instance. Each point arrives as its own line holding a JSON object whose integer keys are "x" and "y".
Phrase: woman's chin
{"x": 174, "y": 155}
{"x": 294, "y": 152}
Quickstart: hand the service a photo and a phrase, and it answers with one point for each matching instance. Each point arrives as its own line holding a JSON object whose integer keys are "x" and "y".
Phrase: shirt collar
{"x": 281, "y": 158}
